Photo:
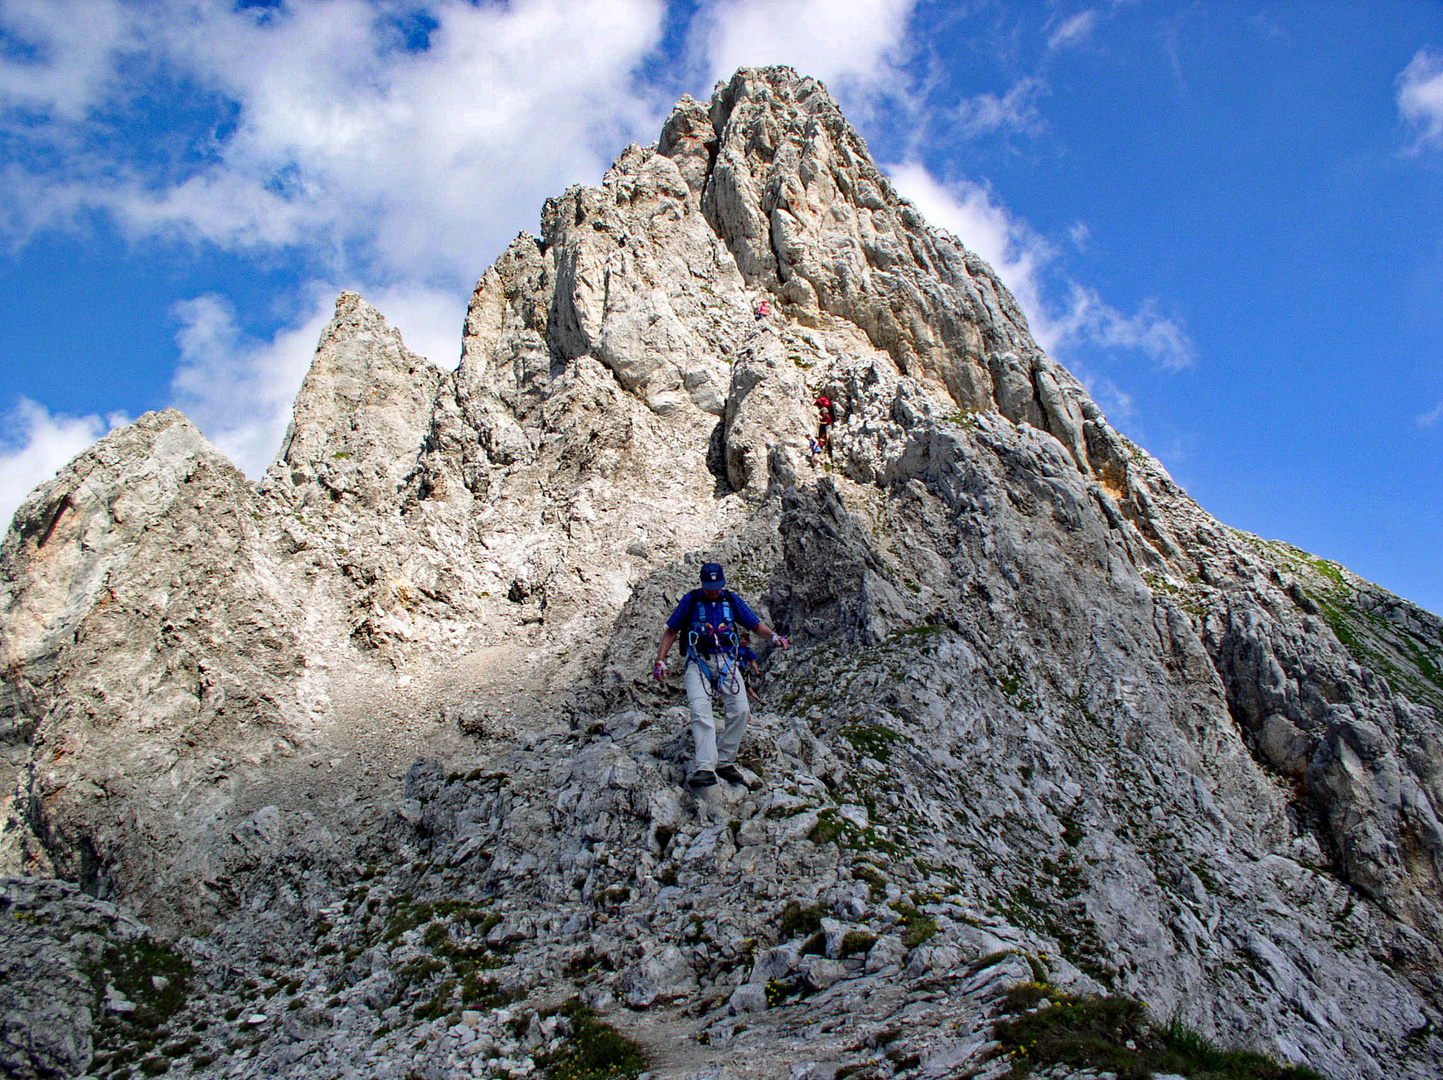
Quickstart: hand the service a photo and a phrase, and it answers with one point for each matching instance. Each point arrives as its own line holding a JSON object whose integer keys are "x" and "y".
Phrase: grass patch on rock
{"x": 594, "y": 1050}
{"x": 1042, "y": 1027}
{"x": 798, "y": 919}
{"x": 871, "y": 740}
{"x": 917, "y": 927}
{"x": 155, "y": 982}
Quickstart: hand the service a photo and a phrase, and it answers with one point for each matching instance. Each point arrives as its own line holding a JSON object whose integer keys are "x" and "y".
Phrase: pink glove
{"x": 784, "y": 642}
{"x": 659, "y": 672}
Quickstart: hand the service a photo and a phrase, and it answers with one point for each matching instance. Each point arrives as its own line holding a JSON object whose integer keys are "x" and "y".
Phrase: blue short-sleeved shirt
{"x": 711, "y": 612}
{"x": 746, "y": 656}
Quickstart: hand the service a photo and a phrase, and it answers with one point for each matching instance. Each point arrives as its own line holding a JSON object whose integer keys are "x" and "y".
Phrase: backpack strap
{"x": 697, "y": 623}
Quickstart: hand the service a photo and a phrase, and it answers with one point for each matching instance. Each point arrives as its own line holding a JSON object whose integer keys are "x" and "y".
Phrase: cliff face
{"x": 1040, "y": 703}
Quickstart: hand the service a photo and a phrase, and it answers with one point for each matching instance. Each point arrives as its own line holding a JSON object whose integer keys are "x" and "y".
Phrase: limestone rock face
{"x": 388, "y": 715}
{"x": 810, "y": 217}
{"x": 360, "y": 415}
{"x": 145, "y": 631}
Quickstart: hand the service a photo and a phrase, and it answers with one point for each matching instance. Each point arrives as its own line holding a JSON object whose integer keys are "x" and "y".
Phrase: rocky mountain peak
{"x": 388, "y": 717}
{"x": 361, "y": 411}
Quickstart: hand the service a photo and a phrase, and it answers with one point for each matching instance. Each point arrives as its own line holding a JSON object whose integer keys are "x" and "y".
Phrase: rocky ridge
{"x": 385, "y": 714}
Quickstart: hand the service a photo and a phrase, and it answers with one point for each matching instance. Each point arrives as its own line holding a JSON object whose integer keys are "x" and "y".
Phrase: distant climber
{"x": 826, "y": 416}
{"x": 709, "y": 617}
{"x": 814, "y": 450}
{"x": 763, "y": 310}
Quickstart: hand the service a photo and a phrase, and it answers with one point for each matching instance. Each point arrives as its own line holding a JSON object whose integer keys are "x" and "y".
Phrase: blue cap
{"x": 712, "y": 576}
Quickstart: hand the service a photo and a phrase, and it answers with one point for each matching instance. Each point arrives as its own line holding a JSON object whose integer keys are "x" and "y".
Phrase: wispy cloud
{"x": 34, "y": 446}
{"x": 967, "y": 210}
{"x": 1431, "y": 417}
{"x": 1420, "y": 98}
{"x": 836, "y": 41}
{"x": 62, "y": 56}
{"x": 1027, "y": 264}
{"x": 1015, "y": 110}
{"x": 1074, "y": 30}
{"x": 333, "y": 135}
{"x": 1149, "y": 331}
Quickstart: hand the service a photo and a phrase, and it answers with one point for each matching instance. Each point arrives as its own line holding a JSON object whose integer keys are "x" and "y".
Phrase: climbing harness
{"x": 718, "y": 640}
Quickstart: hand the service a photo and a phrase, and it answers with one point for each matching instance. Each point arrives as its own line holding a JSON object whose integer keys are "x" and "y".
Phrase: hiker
{"x": 826, "y": 416}
{"x": 814, "y": 451}
{"x": 763, "y": 310}
{"x": 709, "y": 619}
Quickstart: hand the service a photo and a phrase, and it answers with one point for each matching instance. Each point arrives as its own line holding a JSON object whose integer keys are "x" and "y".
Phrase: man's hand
{"x": 658, "y": 672}
{"x": 784, "y": 642}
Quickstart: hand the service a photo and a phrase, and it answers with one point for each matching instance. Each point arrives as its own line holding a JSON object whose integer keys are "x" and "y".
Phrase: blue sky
{"x": 1226, "y": 218}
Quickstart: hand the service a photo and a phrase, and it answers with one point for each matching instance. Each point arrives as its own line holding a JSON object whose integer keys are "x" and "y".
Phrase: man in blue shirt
{"x": 709, "y": 618}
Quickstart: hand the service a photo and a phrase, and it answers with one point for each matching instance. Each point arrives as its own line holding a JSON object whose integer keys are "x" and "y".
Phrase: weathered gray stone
{"x": 663, "y": 976}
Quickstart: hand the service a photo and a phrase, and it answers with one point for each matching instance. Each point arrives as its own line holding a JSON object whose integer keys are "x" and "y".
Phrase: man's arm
{"x": 771, "y": 635}
{"x": 745, "y": 614}
{"x": 668, "y": 639}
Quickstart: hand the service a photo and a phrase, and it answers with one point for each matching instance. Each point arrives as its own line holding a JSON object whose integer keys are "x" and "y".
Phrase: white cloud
{"x": 1016, "y": 109}
{"x": 966, "y": 210}
{"x": 1072, "y": 31}
{"x": 239, "y": 390}
{"x": 34, "y": 446}
{"x": 1149, "y": 331}
{"x": 402, "y": 162}
{"x": 1023, "y": 260}
{"x": 63, "y": 54}
{"x": 836, "y": 41}
{"x": 1420, "y": 97}
{"x": 1431, "y": 417}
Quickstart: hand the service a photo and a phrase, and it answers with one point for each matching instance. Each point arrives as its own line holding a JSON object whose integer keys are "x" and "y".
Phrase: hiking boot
{"x": 730, "y": 773}
{"x": 702, "y": 778}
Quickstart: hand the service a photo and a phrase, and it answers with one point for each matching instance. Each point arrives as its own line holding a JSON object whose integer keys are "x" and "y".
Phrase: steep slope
{"x": 1040, "y": 703}
{"x": 147, "y": 645}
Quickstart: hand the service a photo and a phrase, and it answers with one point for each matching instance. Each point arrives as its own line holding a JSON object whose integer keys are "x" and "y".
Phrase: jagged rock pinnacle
{"x": 360, "y": 414}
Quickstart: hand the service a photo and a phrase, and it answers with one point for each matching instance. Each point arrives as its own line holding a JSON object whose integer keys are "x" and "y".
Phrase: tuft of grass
{"x": 798, "y": 920}
{"x": 831, "y": 828}
{"x": 917, "y": 927}
{"x": 1042, "y": 1026}
{"x": 594, "y": 1051}
{"x": 871, "y": 740}
{"x": 856, "y": 941}
{"x": 828, "y": 829}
